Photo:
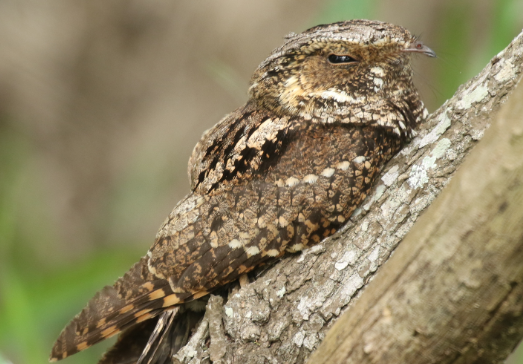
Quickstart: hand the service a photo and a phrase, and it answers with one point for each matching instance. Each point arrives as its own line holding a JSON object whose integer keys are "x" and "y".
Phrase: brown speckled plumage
{"x": 326, "y": 111}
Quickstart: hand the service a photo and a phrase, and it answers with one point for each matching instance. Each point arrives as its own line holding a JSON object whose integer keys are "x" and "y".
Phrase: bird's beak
{"x": 418, "y": 47}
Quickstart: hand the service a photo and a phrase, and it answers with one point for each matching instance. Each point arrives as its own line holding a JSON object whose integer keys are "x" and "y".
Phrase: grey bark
{"x": 453, "y": 290}
{"x": 284, "y": 315}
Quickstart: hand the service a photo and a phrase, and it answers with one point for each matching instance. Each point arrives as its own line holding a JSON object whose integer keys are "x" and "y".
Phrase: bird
{"x": 326, "y": 111}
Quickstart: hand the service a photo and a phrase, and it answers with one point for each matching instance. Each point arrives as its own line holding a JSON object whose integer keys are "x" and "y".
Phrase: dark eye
{"x": 333, "y": 58}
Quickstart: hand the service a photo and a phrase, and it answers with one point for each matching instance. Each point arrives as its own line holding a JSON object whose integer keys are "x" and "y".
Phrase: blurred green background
{"x": 101, "y": 103}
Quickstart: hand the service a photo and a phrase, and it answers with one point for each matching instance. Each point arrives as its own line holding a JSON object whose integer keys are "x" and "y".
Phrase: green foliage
{"x": 463, "y": 55}
{"x": 338, "y": 10}
{"x": 38, "y": 297}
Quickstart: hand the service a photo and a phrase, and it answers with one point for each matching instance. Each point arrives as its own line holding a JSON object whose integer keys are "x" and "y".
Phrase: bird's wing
{"x": 185, "y": 259}
{"x": 241, "y": 147}
{"x": 209, "y": 240}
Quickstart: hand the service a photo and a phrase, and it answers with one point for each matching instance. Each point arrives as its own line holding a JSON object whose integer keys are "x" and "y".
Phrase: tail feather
{"x": 158, "y": 346}
{"x": 134, "y": 298}
{"x": 156, "y": 340}
{"x": 130, "y": 344}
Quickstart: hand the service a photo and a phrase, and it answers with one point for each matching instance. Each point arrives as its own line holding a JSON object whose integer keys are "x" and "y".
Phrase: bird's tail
{"x": 134, "y": 298}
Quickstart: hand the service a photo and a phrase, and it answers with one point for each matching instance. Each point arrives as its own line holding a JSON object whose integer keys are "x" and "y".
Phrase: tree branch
{"x": 284, "y": 315}
{"x": 453, "y": 291}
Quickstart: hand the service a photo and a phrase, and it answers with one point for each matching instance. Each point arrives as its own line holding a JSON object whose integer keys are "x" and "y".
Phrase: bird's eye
{"x": 334, "y": 58}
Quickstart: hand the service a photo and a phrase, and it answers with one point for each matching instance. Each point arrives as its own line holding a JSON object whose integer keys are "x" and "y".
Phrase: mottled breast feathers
{"x": 326, "y": 111}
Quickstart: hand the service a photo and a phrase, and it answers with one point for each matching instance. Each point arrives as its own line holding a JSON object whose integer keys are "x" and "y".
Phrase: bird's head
{"x": 356, "y": 71}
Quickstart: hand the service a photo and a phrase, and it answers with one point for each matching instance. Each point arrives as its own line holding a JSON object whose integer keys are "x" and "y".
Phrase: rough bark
{"x": 453, "y": 291}
{"x": 445, "y": 296}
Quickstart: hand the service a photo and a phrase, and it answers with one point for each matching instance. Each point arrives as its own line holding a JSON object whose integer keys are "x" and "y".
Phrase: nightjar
{"x": 325, "y": 112}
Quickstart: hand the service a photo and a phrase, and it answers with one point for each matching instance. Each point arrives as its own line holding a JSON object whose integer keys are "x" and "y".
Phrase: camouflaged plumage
{"x": 277, "y": 175}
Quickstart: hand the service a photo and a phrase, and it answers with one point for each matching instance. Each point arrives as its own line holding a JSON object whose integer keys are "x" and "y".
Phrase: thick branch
{"x": 284, "y": 315}
{"x": 453, "y": 291}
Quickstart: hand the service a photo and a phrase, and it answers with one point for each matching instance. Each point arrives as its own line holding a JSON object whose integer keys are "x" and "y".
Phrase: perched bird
{"x": 325, "y": 112}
